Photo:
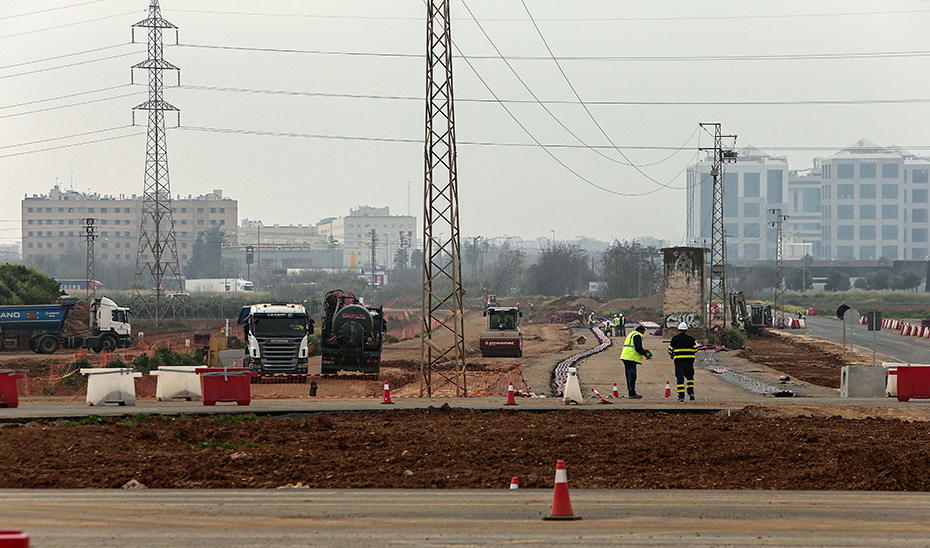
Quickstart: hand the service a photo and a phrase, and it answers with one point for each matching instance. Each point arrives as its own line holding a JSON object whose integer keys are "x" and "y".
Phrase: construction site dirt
{"x": 811, "y": 444}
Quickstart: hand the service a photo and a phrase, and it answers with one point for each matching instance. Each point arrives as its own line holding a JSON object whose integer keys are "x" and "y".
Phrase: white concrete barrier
{"x": 177, "y": 382}
{"x": 111, "y": 385}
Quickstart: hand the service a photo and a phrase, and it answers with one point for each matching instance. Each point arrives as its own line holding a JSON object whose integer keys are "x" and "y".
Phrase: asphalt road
{"x": 464, "y": 518}
{"x": 890, "y": 344}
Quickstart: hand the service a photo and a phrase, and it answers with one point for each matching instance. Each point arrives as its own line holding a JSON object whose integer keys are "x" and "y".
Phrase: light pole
{"x": 552, "y": 242}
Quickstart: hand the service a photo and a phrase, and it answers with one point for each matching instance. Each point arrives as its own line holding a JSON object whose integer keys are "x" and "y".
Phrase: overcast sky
{"x": 337, "y": 120}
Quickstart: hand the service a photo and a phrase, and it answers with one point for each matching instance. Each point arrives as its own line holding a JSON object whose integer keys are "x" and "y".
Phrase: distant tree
{"x": 861, "y": 283}
{"x": 416, "y": 259}
{"x": 207, "y": 254}
{"x": 630, "y": 270}
{"x": 507, "y": 270}
{"x": 401, "y": 258}
{"x": 836, "y": 281}
{"x": 908, "y": 280}
{"x": 755, "y": 280}
{"x": 799, "y": 279}
{"x": 558, "y": 270}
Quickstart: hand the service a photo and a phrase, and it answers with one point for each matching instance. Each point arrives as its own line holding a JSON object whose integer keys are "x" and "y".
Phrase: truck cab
{"x": 277, "y": 338}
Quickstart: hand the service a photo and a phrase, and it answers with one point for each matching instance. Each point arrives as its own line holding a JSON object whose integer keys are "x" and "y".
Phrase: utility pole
{"x": 374, "y": 258}
{"x": 90, "y": 234}
{"x": 442, "y": 343}
{"x": 157, "y": 252}
{"x": 718, "y": 286}
{"x": 779, "y": 265}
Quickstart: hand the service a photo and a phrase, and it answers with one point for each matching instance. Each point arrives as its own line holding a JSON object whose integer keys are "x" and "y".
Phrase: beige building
{"x": 52, "y": 224}
{"x": 353, "y": 233}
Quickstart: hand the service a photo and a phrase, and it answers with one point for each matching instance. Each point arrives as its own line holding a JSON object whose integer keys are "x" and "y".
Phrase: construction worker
{"x": 581, "y": 315}
{"x": 631, "y": 356}
{"x": 591, "y": 319}
{"x": 682, "y": 350}
{"x": 622, "y": 329}
{"x": 615, "y": 325}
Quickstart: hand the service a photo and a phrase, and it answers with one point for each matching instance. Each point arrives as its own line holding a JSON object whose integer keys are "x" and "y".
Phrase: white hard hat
{"x": 683, "y": 326}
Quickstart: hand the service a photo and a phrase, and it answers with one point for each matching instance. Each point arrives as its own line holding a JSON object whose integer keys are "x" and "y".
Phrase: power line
{"x": 79, "y": 63}
{"x": 76, "y": 23}
{"x": 63, "y": 56}
{"x": 564, "y": 102}
{"x": 569, "y": 19}
{"x": 91, "y": 101}
{"x": 71, "y": 145}
{"x": 617, "y": 58}
{"x": 84, "y": 134}
{"x": 49, "y": 9}
{"x": 60, "y": 97}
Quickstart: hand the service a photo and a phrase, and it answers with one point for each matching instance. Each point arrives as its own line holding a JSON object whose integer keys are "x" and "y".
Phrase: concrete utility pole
{"x": 779, "y": 265}
{"x": 718, "y": 286}
{"x": 374, "y": 257}
{"x": 90, "y": 234}
{"x": 157, "y": 252}
{"x": 442, "y": 343}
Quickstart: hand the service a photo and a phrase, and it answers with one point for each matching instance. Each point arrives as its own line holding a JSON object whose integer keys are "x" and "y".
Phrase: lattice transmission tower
{"x": 779, "y": 259}
{"x": 90, "y": 235}
{"x": 443, "y": 337}
{"x": 718, "y": 283}
{"x": 157, "y": 252}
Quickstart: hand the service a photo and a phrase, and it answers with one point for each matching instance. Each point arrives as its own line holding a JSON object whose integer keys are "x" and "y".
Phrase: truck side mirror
{"x": 521, "y": 314}
{"x": 310, "y": 327}
{"x": 484, "y": 313}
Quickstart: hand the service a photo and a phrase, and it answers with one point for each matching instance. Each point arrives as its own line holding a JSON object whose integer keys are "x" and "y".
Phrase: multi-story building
{"x": 52, "y": 224}
{"x": 802, "y": 228}
{"x": 354, "y": 235}
{"x": 752, "y": 185}
{"x": 875, "y": 204}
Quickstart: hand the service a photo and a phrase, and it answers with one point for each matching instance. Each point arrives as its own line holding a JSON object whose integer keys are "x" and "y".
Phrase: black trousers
{"x": 630, "y": 367}
{"x": 684, "y": 371}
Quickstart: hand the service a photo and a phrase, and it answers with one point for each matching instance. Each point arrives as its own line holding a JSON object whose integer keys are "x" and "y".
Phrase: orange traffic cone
{"x": 515, "y": 483}
{"x": 668, "y": 390}
{"x": 510, "y": 396}
{"x": 561, "y": 504}
{"x": 616, "y": 393}
{"x": 387, "y": 394}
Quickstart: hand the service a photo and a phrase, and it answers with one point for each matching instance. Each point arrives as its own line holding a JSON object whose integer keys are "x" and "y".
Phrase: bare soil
{"x": 815, "y": 362}
{"x": 446, "y": 448}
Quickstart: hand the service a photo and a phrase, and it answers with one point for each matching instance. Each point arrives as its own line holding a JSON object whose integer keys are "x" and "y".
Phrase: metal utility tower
{"x": 443, "y": 338}
{"x": 90, "y": 234}
{"x": 718, "y": 285}
{"x": 779, "y": 265}
{"x": 157, "y": 252}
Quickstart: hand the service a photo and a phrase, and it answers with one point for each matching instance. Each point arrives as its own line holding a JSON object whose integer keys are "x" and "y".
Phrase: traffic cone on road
{"x": 616, "y": 393}
{"x": 515, "y": 483}
{"x": 668, "y": 390}
{"x": 387, "y": 394}
{"x": 510, "y": 396}
{"x": 561, "y": 503}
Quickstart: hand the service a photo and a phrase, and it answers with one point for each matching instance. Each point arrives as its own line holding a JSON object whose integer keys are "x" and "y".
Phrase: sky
{"x": 301, "y": 110}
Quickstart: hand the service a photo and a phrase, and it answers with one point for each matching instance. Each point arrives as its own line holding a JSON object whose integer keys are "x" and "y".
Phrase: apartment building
{"x": 354, "y": 235}
{"x": 52, "y": 224}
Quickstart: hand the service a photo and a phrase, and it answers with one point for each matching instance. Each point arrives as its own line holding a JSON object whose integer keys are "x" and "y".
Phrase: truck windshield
{"x": 279, "y": 327}
{"x": 502, "y": 320}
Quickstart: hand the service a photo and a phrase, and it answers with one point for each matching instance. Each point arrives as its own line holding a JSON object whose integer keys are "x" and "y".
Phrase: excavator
{"x": 755, "y": 318}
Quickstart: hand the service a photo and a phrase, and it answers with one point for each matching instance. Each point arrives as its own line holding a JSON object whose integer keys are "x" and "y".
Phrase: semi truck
{"x": 277, "y": 337}
{"x": 218, "y": 285}
{"x": 352, "y": 336}
{"x": 502, "y": 337}
{"x": 42, "y": 326}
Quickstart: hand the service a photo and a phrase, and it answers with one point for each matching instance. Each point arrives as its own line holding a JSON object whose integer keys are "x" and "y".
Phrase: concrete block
{"x": 857, "y": 381}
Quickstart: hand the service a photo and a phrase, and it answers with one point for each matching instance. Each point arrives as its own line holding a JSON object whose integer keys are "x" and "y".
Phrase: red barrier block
{"x": 13, "y": 539}
{"x": 913, "y": 382}
{"x": 9, "y": 397}
{"x": 232, "y": 384}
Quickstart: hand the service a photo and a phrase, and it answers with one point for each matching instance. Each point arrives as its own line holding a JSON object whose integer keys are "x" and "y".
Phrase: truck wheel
{"x": 47, "y": 344}
{"x": 108, "y": 343}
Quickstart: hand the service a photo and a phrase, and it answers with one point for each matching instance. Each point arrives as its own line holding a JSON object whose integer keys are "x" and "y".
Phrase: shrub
{"x": 731, "y": 338}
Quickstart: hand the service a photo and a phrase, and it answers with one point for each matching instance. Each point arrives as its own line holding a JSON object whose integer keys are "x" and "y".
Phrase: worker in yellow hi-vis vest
{"x": 631, "y": 356}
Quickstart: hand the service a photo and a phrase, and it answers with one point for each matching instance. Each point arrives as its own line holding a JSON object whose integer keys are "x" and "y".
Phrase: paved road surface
{"x": 460, "y": 518}
{"x": 890, "y": 344}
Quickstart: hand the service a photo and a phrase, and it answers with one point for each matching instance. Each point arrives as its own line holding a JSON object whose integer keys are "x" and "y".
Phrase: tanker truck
{"x": 277, "y": 338}
{"x": 42, "y": 326}
{"x": 352, "y": 336}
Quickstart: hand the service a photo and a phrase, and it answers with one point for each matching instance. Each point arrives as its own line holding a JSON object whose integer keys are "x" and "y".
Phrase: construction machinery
{"x": 755, "y": 317}
{"x": 352, "y": 336}
{"x": 277, "y": 337}
{"x": 503, "y": 337}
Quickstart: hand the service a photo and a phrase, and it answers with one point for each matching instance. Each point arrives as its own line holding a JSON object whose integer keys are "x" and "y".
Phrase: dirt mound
{"x": 643, "y": 315}
{"x": 78, "y": 319}
{"x": 445, "y": 448}
{"x": 655, "y": 302}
